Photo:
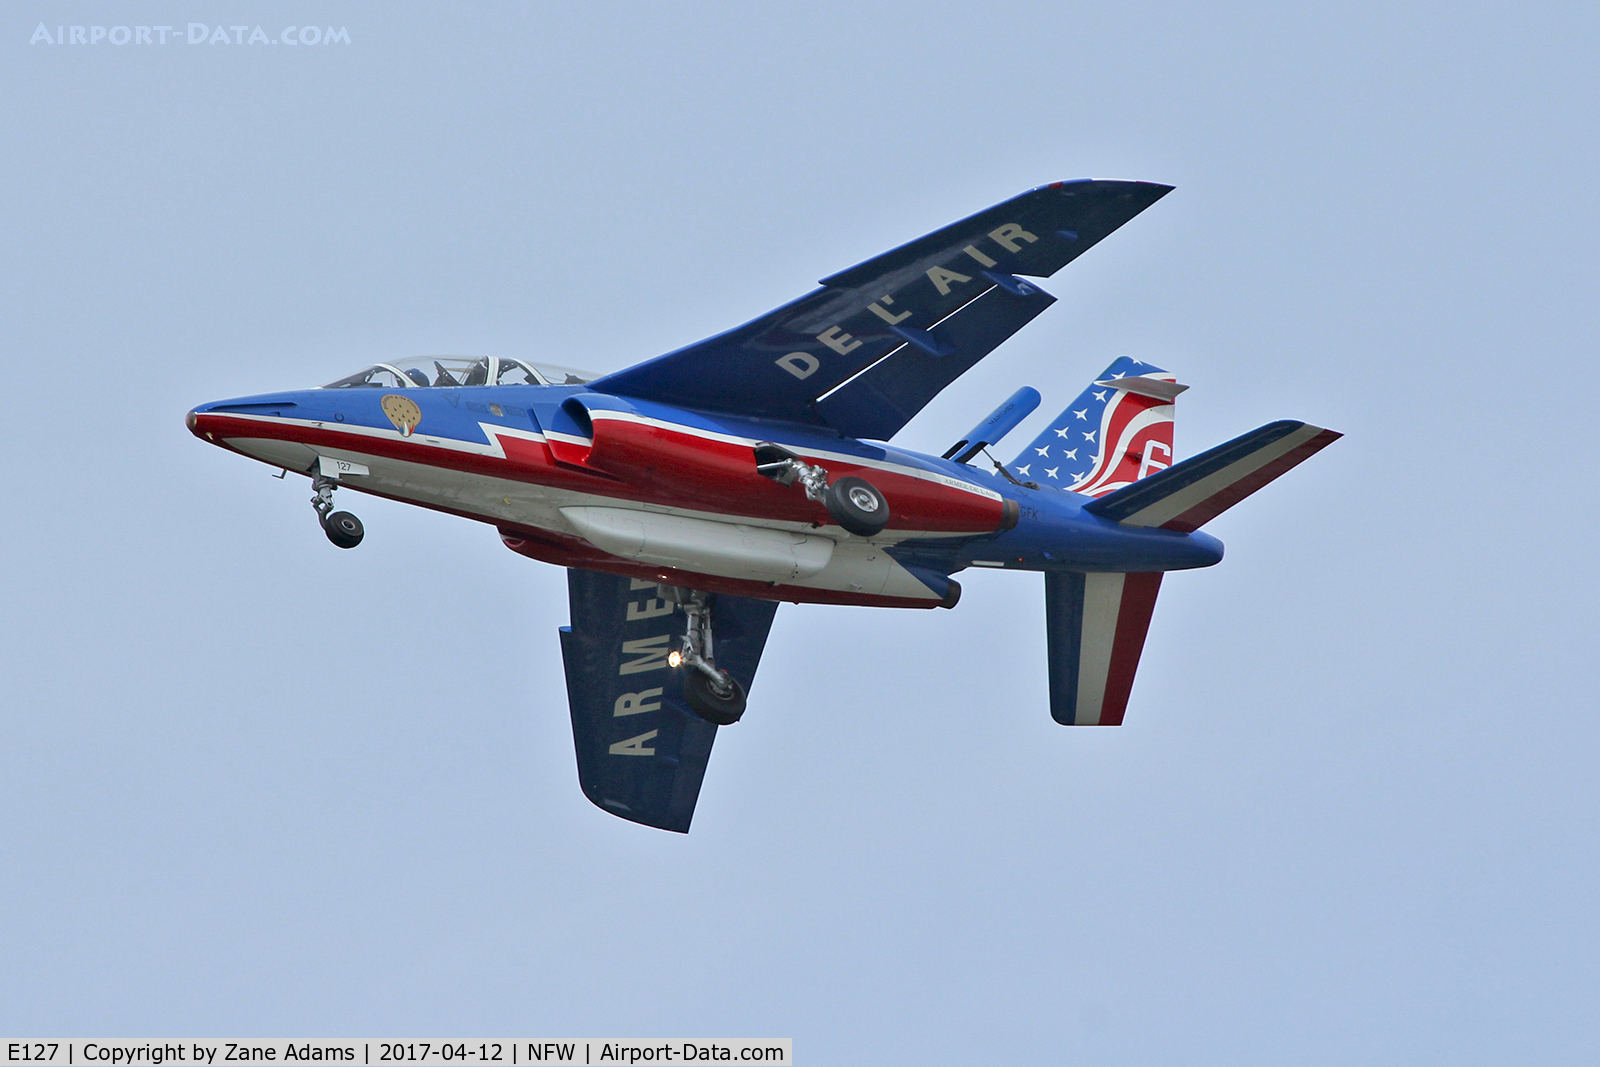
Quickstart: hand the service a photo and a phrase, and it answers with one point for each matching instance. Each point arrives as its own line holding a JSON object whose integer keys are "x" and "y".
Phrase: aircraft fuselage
{"x": 584, "y": 479}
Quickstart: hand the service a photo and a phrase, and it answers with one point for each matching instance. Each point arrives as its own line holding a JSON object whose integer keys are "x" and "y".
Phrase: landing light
{"x": 675, "y": 657}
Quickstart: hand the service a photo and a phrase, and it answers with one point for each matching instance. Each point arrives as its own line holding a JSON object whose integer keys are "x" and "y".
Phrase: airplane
{"x": 690, "y": 494}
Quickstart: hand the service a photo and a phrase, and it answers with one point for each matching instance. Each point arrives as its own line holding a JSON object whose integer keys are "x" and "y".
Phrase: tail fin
{"x": 1095, "y": 626}
{"x": 1118, "y": 431}
{"x": 1190, "y": 494}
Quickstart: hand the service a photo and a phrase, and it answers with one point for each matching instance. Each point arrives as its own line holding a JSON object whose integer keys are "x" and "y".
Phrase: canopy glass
{"x": 424, "y": 372}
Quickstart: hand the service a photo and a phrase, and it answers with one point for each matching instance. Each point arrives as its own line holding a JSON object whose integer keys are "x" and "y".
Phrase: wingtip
{"x": 1320, "y": 434}
{"x": 1163, "y": 188}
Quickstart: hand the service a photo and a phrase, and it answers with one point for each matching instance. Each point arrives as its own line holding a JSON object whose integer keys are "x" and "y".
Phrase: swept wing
{"x": 641, "y": 752}
{"x": 783, "y": 363}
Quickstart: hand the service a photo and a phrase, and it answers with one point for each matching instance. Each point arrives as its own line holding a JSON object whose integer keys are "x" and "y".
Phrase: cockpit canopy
{"x": 423, "y": 372}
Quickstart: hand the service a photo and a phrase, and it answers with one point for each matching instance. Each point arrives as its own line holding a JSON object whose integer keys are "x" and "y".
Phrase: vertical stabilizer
{"x": 1118, "y": 431}
{"x": 1095, "y": 626}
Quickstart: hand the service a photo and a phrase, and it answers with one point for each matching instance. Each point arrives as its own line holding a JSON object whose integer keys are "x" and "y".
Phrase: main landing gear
{"x": 854, "y": 503}
{"x": 342, "y": 528}
{"x": 714, "y": 695}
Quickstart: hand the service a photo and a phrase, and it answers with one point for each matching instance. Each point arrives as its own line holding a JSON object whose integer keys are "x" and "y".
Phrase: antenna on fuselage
{"x": 1012, "y": 478}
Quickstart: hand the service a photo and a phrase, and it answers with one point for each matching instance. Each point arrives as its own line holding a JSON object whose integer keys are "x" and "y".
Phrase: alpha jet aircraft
{"x": 689, "y": 494}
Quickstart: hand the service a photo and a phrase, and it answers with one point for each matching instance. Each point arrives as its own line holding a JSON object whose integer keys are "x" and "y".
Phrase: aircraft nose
{"x": 193, "y": 421}
{"x": 200, "y": 419}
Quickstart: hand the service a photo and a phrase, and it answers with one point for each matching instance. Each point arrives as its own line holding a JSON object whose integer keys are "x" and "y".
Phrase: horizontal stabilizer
{"x": 1159, "y": 388}
{"x": 1189, "y": 494}
{"x": 1095, "y": 626}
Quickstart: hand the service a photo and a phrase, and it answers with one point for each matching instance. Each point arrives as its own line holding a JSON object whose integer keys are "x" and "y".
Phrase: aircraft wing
{"x": 781, "y": 364}
{"x": 641, "y": 752}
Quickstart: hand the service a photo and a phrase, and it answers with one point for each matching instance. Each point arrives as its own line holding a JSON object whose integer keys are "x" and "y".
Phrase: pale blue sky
{"x": 257, "y": 786}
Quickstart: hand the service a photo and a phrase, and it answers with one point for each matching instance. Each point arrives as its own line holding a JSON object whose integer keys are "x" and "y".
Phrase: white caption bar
{"x": 590, "y": 1052}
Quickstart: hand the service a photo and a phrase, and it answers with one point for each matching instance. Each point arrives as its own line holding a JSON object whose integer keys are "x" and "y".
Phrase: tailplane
{"x": 1118, "y": 431}
{"x": 1192, "y": 493}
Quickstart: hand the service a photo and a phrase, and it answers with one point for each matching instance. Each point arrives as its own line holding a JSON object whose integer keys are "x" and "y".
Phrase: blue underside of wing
{"x": 781, "y": 364}
{"x": 642, "y": 753}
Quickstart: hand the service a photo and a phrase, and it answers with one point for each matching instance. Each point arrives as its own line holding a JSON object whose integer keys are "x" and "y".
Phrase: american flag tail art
{"x": 1114, "y": 443}
{"x": 1118, "y": 431}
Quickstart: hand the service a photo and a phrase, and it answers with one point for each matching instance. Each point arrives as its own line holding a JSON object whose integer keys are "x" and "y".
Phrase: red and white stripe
{"x": 1116, "y": 617}
{"x": 1129, "y": 426}
{"x": 1194, "y": 505}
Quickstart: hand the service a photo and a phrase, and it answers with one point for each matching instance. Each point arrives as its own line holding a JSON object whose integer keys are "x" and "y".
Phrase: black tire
{"x": 857, "y": 505}
{"x": 723, "y": 709}
{"x": 343, "y": 529}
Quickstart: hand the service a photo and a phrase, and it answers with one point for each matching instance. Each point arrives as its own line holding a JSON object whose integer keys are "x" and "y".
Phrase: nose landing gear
{"x": 342, "y": 528}
{"x": 714, "y": 695}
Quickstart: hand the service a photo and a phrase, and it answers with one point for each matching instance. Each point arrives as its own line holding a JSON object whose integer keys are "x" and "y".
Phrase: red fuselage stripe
{"x": 650, "y": 464}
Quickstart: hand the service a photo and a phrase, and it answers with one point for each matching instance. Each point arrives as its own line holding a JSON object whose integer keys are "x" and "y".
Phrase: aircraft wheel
{"x": 724, "y": 708}
{"x": 343, "y": 529}
{"x": 857, "y": 505}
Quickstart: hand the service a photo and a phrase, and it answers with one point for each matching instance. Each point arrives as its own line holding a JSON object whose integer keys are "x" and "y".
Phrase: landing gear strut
{"x": 854, "y": 503}
{"x": 342, "y": 528}
{"x": 714, "y": 695}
